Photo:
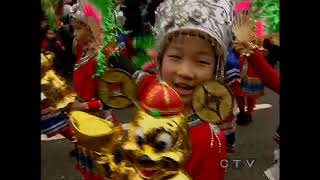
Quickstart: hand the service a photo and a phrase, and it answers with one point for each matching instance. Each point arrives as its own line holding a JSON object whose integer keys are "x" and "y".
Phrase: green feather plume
{"x": 110, "y": 30}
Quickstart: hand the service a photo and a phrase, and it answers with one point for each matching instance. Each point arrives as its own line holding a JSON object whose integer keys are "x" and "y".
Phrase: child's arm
{"x": 269, "y": 76}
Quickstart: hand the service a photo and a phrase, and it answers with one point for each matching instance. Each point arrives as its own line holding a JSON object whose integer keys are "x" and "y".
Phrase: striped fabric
{"x": 54, "y": 125}
{"x": 86, "y": 164}
{"x": 232, "y": 67}
{"x": 252, "y": 87}
{"x": 231, "y": 75}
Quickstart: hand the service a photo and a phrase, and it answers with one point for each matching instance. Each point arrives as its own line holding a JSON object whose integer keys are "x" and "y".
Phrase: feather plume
{"x": 260, "y": 33}
{"x": 92, "y": 12}
{"x": 109, "y": 28}
{"x": 243, "y": 6}
{"x": 243, "y": 28}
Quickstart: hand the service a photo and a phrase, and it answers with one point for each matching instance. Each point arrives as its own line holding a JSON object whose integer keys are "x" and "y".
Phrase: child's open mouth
{"x": 183, "y": 89}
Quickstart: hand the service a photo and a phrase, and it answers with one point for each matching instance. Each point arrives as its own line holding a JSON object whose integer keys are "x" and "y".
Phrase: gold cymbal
{"x": 117, "y": 98}
{"x": 213, "y": 102}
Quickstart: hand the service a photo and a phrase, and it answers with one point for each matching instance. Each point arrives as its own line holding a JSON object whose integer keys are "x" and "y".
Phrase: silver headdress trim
{"x": 212, "y": 17}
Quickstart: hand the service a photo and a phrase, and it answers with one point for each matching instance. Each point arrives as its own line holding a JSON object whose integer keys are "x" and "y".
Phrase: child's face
{"x": 82, "y": 34}
{"x": 187, "y": 62}
{"x": 44, "y": 24}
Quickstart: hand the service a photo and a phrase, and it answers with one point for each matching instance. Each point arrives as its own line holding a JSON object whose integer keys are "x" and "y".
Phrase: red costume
{"x": 259, "y": 74}
{"x": 85, "y": 84}
{"x": 206, "y": 162}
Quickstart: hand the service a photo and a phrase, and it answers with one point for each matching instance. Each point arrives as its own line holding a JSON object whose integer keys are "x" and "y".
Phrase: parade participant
{"x": 192, "y": 39}
{"x": 84, "y": 81}
{"x": 85, "y": 68}
{"x": 249, "y": 30}
{"x": 95, "y": 32}
{"x": 233, "y": 81}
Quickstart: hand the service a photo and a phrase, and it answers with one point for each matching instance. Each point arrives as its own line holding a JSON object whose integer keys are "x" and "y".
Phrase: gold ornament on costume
{"x": 53, "y": 86}
{"x": 157, "y": 147}
{"x": 213, "y": 102}
{"x": 121, "y": 97}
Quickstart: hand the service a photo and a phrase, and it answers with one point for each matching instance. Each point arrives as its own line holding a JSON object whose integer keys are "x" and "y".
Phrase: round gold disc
{"x": 213, "y": 102}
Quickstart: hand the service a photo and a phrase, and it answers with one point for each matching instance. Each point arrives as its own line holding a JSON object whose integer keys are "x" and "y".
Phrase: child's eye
{"x": 174, "y": 56}
{"x": 203, "y": 62}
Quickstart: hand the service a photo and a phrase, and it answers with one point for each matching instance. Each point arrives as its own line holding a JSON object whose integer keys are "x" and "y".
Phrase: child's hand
{"x": 47, "y": 110}
{"x": 243, "y": 48}
{"x": 78, "y": 106}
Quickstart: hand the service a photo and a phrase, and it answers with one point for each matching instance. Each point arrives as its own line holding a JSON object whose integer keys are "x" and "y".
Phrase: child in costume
{"x": 255, "y": 70}
{"x": 84, "y": 80}
{"x": 193, "y": 37}
{"x": 95, "y": 37}
{"x": 51, "y": 42}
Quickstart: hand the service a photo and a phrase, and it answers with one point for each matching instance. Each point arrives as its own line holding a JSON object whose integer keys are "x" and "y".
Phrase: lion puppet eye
{"x": 163, "y": 141}
{"x": 140, "y": 137}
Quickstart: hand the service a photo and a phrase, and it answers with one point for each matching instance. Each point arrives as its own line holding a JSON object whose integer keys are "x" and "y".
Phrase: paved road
{"x": 254, "y": 147}
{"x": 255, "y": 142}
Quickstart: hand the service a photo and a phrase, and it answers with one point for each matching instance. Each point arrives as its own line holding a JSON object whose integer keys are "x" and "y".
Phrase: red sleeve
{"x": 269, "y": 76}
{"x": 95, "y": 105}
{"x": 85, "y": 85}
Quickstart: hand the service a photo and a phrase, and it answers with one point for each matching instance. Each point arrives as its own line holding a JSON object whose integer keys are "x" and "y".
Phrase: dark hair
{"x": 132, "y": 13}
{"x": 151, "y": 10}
